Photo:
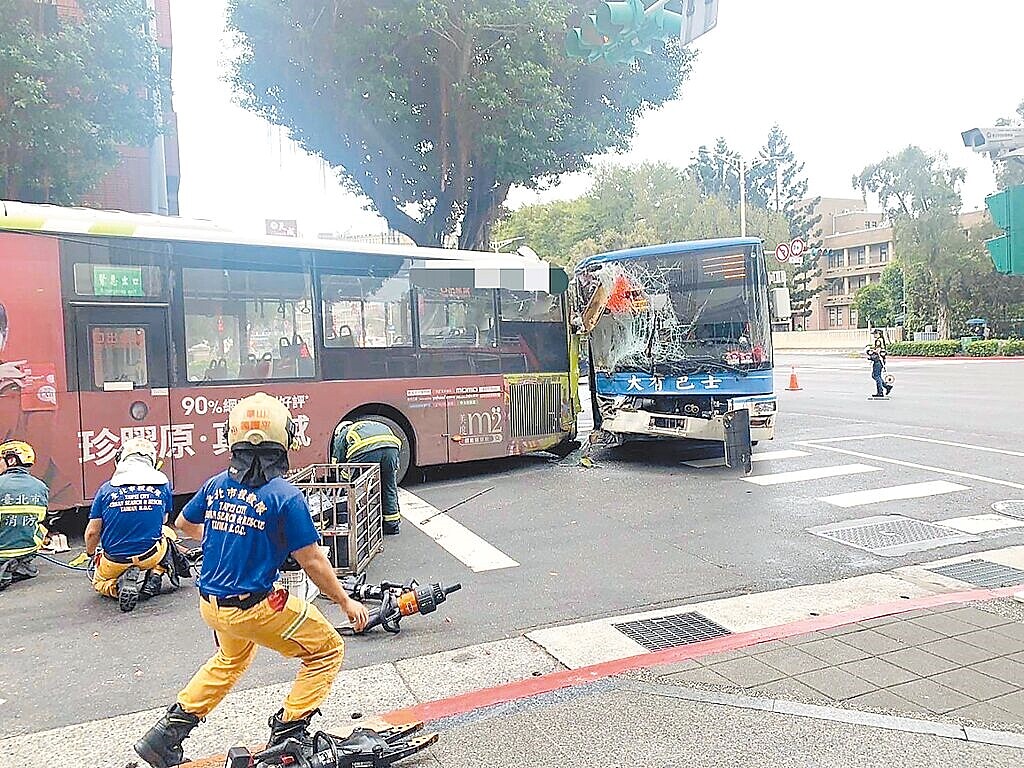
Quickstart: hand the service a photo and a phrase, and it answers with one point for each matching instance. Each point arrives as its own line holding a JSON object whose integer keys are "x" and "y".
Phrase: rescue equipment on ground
{"x": 389, "y": 602}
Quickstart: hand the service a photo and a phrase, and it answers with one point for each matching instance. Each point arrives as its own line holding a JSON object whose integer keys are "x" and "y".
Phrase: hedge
{"x": 1012, "y": 348}
{"x": 924, "y": 348}
{"x": 988, "y": 348}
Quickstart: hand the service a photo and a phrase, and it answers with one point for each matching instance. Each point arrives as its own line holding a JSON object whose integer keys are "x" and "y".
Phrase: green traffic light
{"x": 999, "y": 250}
{"x": 1007, "y": 209}
{"x": 614, "y": 18}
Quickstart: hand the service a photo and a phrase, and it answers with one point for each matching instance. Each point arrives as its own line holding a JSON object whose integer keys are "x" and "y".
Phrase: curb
{"x": 957, "y": 357}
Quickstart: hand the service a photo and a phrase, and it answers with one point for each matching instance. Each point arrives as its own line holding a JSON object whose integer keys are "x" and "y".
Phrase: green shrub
{"x": 924, "y": 348}
{"x": 1012, "y": 348}
{"x": 988, "y": 348}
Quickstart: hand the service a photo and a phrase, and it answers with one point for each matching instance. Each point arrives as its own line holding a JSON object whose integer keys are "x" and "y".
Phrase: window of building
{"x": 835, "y": 259}
{"x": 883, "y": 253}
{"x": 242, "y": 325}
{"x": 367, "y": 312}
{"x": 857, "y": 282}
{"x": 456, "y": 317}
{"x": 530, "y": 307}
{"x": 859, "y": 256}
{"x": 118, "y": 355}
{"x": 835, "y": 317}
{"x": 853, "y": 317}
{"x": 835, "y": 288}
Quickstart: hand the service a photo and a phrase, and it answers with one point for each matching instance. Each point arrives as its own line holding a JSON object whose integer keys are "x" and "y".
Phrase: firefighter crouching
{"x": 23, "y": 503}
{"x": 250, "y": 520}
{"x": 372, "y": 442}
{"x": 125, "y": 535}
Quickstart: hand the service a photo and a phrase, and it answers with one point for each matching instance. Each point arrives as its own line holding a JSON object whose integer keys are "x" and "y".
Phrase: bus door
{"x": 123, "y": 361}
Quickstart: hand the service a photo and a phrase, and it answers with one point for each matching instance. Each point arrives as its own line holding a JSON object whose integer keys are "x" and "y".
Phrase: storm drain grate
{"x": 982, "y": 573}
{"x": 671, "y": 631}
{"x": 1010, "y": 508}
{"x": 891, "y": 535}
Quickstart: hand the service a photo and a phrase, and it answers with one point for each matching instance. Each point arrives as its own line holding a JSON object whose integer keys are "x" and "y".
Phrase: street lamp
{"x": 742, "y": 167}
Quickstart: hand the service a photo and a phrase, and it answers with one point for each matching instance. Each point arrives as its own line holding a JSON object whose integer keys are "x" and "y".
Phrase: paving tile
{"x": 1005, "y": 669}
{"x": 699, "y": 676}
{"x": 718, "y": 658}
{"x": 919, "y": 661}
{"x": 835, "y": 683}
{"x": 769, "y": 647}
{"x": 909, "y": 633}
{"x": 686, "y": 665}
{"x": 810, "y": 637}
{"x": 879, "y": 672}
{"x": 833, "y": 651}
{"x": 845, "y": 629}
{"x": 984, "y": 712}
{"x": 992, "y": 640}
{"x": 944, "y": 625}
{"x": 792, "y": 661}
{"x": 1012, "y": 703}
{"x": 960, "y": 653}
{"x": 1018, "y": 657}
{"x": 931, "y": 696}
{"x": 970, "y": 682}
{"x": 978, "y": 617}
{"x": 872, "y": 642}
{"x": 881, "y": 621}
{"x": 1014, "y": 629}
{"x": 747, "y": 672}
{"x": 883, "y": 700}
{"x": 790, "y": 689}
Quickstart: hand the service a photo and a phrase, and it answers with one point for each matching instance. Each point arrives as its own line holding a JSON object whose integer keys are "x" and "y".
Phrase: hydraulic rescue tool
{"x": 363, "y": 749}
{"x": 396, "y": 601}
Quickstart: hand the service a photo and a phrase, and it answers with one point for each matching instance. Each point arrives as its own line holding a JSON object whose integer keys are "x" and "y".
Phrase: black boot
{"x": 281, "y": 730}
{"x": 128, "y": 590}
{"x": 151, "y": 585}
{"x": 161, "y": 746}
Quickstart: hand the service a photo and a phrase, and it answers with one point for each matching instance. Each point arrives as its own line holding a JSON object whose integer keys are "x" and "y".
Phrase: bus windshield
{"x": 676, "y": 314}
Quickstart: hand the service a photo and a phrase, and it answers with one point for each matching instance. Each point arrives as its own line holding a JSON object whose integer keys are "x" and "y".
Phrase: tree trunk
{"x": 942, "y": 314}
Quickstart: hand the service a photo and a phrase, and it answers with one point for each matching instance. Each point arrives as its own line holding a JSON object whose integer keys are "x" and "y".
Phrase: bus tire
{"x": 405, "y": 453}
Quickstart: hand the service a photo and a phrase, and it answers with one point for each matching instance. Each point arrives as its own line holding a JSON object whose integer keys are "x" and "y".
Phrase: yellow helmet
{"x": 260, "y": 419}
{"x": 16, "y": 453}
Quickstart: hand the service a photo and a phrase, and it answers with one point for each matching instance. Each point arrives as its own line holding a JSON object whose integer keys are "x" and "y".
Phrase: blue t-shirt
{"x": 248, "y": 533}
{"x": 132, "y": 516}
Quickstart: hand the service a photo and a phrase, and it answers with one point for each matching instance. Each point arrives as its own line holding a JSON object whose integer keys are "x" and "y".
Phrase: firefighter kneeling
{"x": 373, "y": 442}
{"x": 127, "y": 524}
{"x": 23, "y": 502}
{"x": 250, "y": 520}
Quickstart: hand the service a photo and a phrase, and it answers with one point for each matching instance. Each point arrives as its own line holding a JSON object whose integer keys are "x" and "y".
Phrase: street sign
{"x": 700, "y": 16}
{"x": 283, "y": 227}
{"x": 798, "y": 246}
{"x": 783, "y": 252}
{"x": 1007, "y": 251}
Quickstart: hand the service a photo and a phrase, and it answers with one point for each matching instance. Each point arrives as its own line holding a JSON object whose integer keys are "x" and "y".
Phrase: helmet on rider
{"x": 262, "y": 421}
{"x": 16, "y": 453}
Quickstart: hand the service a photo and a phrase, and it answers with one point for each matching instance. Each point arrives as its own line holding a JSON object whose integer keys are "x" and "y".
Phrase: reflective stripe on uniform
{"x": 356, "y": 444}
{"x": 287, "y": 634}
{"x": 24, "y": 509}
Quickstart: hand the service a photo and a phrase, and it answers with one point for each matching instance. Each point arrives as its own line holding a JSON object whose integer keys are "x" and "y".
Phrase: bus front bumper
{"x": 645, "y": 423}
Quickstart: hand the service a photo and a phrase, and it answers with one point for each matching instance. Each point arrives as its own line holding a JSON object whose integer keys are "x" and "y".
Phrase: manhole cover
{"x": 982, "y": 573}
{"x": 671, "y": 631}
{"x": 1010, "y": 508}
{"x": 890, "y": 535}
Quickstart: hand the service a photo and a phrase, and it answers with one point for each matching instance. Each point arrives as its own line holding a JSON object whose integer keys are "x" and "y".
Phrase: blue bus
{"x": 679, "y": 339}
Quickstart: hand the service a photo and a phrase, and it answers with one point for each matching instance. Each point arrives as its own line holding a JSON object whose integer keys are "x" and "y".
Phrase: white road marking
{"x": 459, "y": 541}
{"x": 969, "y": 446}
{"x": 892, "y": 493}
{"x": 982, "y": 523}
{"x": 817, "y": 473}
{"x": 912, "y": 465}
{"x": 765, "y": 456}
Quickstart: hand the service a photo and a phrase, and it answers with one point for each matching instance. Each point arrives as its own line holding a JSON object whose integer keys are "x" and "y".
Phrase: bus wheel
{"x": 405, "y": 453}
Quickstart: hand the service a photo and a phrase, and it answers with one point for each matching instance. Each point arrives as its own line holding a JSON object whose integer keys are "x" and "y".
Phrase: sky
{"x": 849, "y": 82}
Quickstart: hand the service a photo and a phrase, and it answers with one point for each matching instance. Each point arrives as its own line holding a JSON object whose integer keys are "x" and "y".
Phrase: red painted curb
{"x": 467, "y": 702}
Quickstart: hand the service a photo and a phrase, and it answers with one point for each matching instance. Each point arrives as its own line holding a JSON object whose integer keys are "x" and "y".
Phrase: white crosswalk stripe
{"x": 893, "y": 493}
{"x": 719, "y": 461}
{"x": 817, "y": 473}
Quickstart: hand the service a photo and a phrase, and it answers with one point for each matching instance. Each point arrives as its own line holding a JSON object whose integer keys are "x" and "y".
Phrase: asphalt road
{"x": 640, "y": 529}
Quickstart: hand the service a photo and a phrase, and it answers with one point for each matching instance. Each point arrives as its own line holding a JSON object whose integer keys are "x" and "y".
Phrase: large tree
{"x": 920, "y": 193}
{"x": 73, "y": 86}
{"x": 1011, "y": 170}
{"x": 632, "y": 206}
{"x": 716, "y": 172}
{"x": 434, "y": 109}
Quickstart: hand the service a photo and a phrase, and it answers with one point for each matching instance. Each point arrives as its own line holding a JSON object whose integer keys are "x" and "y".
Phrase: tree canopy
{"x": 434, "y": 109}
{"x": 72, "y": 88}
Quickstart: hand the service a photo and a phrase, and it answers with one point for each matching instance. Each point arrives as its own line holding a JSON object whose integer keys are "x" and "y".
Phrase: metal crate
{"x": 345, "y": 498}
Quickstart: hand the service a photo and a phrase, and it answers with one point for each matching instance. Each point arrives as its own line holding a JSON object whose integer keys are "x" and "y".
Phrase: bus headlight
{"x": 765, "y": 409}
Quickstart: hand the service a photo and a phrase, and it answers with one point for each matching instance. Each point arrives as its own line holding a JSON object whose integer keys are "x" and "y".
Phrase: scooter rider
{"x": 126, "y": 522}
{"x": 250, "y": 520}
{"x": 23, "y": 502}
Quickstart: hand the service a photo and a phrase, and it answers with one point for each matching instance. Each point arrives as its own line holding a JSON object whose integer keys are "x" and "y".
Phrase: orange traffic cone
{"x": 793, "y": 384}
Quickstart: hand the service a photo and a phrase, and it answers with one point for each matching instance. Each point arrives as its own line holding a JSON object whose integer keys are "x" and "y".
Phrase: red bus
{"x": 114, "y": 325}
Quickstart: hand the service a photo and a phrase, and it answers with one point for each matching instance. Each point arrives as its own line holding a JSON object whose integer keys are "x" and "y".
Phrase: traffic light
{"x": 1007, "y": 251}
{"x": 620, "y": 31}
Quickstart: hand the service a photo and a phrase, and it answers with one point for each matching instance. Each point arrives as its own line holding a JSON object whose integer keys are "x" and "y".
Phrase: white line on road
{"x": 817, "y": 473}
{"x": 912, "y": 465}
{"x": 982, "y": 523}
{"x": 719, "y": 461}
{"x": 459, "y": 541}
{"x": 969, "y": 446}
{"x": 892, "y": 493}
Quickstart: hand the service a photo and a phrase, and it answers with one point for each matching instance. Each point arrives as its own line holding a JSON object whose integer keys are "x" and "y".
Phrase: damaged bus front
{"x": 680, "y": 341}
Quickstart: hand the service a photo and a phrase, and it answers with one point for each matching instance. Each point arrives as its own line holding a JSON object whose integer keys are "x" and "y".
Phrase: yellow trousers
{"x": 299, "y": 631}
{"x": 108, "y": 572}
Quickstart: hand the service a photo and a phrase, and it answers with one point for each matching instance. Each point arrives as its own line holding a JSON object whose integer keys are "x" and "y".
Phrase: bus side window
{"x": 242, "y": 325}
{"x": 367, "y": 311}
{"x": 456, "y": 317}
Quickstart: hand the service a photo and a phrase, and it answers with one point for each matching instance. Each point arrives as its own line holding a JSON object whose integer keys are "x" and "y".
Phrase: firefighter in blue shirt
{"x": 251, "y": 520}
{"x": 23, "y": 503}
{"x": 127, "y": 524}
{"x": 372, "y": 442}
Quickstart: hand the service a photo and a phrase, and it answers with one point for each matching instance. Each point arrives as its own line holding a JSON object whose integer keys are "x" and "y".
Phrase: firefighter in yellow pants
{"x": 251, "y": 520}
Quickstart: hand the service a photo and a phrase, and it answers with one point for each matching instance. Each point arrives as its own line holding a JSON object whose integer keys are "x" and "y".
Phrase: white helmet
{"x": 138, "y": 446}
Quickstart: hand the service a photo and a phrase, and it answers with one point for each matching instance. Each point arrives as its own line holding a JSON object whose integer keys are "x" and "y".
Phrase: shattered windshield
{"x": 680, "y": 313}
